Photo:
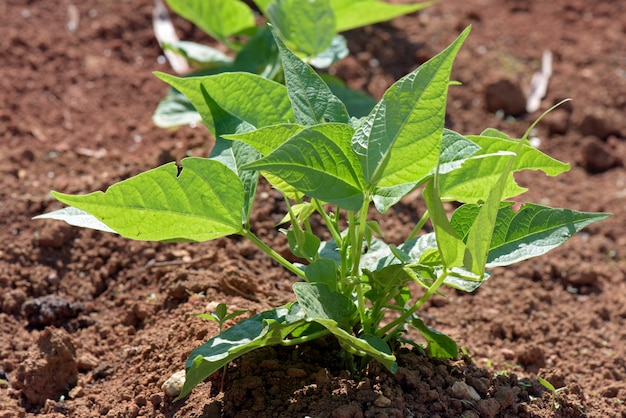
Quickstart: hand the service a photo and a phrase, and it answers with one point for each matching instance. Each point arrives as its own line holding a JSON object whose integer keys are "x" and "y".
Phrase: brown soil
{"x": 92, "y": 324}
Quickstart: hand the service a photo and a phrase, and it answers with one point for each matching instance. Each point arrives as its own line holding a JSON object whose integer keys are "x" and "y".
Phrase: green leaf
{"x": 319, "y": 302}
{"x": 478, "y": 175}
{"x": 494, "y": 133}
{"x": 399, "y": 141}
{"x": 76, "y": 217}
{"x": 358, "y": 103}
{"x": 233, "y": 154}
{"x": 175, "y": 110}
{"x": 480, "y": 234}
{"x": 450, "y": 245}
{"x": 218, "y": 18}
{"x": 528, "y": 158}
{"x": 306, "y": 26}
{"x": 322, "y": 270}
{"x": 387, "y": 282}
{"x": 307, "y": 248}
{"x": 337, "y": 50}
{"x": 337, "y": 313}
{"x": 208, "y": 317}
{"x": 248, "y": 97}
{"x": 200, "y": 56}
{"x": 311, "y": 99}
{"x": 353, "y": 14}
{"x": 302, "y": 212}
{"x": 259, "y": 55}
{"x": 465, "y": 280}
{"x": 267, "y": 138}
{"x": 262, "y": 330}
{"x": 455, "y": 149}
{"x": 439, "y": 345}
{"x": 530, "y": 232}
{"x": 319, "y": 166}
{"x": 202, "y": 202}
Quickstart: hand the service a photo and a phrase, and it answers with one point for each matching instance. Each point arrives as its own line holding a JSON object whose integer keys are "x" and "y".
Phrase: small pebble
{"x": 382, "y": 402}
{"x": 462, "y": 390}
{"x": 174, "y": 385}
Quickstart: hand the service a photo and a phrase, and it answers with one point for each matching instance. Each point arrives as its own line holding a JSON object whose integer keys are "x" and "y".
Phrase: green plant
{"x": 220, "y": 316}
{"x": 301, "y": 138}
{"x": 552, "y": 389}
{"x": 309, "y": 28}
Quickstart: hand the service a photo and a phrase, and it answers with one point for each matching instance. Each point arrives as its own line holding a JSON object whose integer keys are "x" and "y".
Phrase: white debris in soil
{"x": 174, "y": 384}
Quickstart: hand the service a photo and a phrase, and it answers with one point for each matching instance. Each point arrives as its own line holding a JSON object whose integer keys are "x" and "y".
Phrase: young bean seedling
{"x": 310, "y": 28}
{"x": 302, "y": 140}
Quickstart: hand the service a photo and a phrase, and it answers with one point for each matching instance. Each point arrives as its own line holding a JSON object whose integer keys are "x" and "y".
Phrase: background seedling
{"x": 220, "y": 316}
{"x": 552, "y": 389}
{"x": 310, "y": 28}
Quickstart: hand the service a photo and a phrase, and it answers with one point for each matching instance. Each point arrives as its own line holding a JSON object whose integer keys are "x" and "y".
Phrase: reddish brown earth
{"x": 92, "y": 325}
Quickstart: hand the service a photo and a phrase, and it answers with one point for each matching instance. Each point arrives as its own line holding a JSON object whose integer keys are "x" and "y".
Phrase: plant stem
{"x": 305, "y": 338}
{"x": 277, "y": 257}
{"x": 418, "y": 226}
{"x": 360, "y": 225}
{"x": 405, "y": 315}
{"x": 329, "y": 223}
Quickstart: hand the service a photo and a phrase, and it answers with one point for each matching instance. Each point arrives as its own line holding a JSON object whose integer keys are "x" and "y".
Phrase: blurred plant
{"x": 309, "y": 28}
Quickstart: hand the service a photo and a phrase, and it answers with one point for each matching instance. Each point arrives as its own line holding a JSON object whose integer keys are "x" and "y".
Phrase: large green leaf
{"x": 267, "y": 328}
{"x": 218, "y": 18}
{"x": 248, "y": 97}
{"x": 311, "y": 99}
{"x": 319, "y": 166}
{"x": 352, "y": 14}
{"x": 530, "y": 232}
{"x": 455, "y": 149}
{"x": 399, "y": 141}
{"x": 202, "y": 202}
{"x": 306, "y": 26}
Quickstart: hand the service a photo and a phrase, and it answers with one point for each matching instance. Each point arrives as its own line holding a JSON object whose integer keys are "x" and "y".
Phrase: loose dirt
{"x": 92, "y": 325}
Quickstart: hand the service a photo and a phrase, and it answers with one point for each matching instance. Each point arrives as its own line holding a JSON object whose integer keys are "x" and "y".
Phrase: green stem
{"x": 305, "y": 338}
{"x": 403, "y": 318}
{"x": 419, "y": 226}
{"x": 332, "y": 228}
{"x": 277, "y": 257}
{"x": 357, "y": 249}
